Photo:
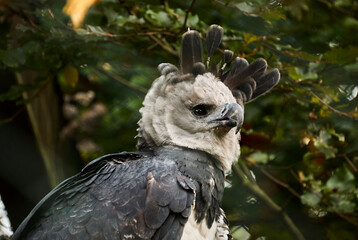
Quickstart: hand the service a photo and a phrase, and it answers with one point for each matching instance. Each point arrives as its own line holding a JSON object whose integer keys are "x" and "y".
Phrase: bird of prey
{"x": 188, "y": 138}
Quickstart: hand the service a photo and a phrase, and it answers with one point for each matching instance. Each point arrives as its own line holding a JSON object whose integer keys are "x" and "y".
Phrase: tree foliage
{"x": 297, "y": 174}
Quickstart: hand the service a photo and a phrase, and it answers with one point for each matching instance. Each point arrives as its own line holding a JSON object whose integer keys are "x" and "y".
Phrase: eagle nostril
{"x": 224, "y": 110}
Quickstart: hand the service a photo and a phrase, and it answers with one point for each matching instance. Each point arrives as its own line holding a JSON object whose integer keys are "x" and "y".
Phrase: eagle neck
{"x": 184, "y": 154}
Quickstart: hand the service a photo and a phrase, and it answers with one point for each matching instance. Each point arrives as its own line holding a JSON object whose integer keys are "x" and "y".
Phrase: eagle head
{"x": 199, "y": 109}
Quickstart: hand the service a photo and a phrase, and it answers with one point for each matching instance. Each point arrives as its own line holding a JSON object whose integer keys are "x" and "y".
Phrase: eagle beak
{"x": 231, "y": 115}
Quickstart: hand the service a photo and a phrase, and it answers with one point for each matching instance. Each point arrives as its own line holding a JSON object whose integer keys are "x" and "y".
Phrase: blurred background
{"x": 73, "y": 76}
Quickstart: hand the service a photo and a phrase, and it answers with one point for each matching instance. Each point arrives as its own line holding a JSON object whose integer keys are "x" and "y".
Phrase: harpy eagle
{"x": 188, "y": 138}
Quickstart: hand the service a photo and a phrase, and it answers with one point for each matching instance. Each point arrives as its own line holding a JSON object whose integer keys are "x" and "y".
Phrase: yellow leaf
{"x": 301, "y": 176}
{"x": 249, "y": 38}
{"x": 77, "y": 10}
{"x": 71, "y": 76}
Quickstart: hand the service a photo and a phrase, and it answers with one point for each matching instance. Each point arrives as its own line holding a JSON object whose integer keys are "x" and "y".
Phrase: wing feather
{"x": 114, "y": 197}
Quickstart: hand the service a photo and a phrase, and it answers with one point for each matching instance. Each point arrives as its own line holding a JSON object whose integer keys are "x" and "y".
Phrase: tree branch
{"x": 277, "y": 181}
{"x": 332, "y": 108}
{"x": 257, "y": 191}
{"x": 164, "y": 45}
{"x": 123, "y": 81}
{"x": 348, "y": 219}
{"x": 139, "y": 34}
{"x": 227, "y": 4}
{"x": 187, "y": 11}
{"x": 350, "y": 163}
{"x": 9, "y": 119}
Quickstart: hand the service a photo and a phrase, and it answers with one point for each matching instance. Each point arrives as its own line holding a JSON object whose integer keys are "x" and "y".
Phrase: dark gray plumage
{"x": 228, "y": 56}
{"x": 213, "y": 38}
{"x": 198, "y": 68}
{"x": 192, "y": 51}
{"x": 247, "y": 81}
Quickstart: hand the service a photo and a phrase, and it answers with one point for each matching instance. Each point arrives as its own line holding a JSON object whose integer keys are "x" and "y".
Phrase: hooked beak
{"x": 231, "y": 115}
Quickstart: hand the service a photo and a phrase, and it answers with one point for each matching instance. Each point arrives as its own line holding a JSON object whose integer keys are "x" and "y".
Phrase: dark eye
{"x": 200, "y": 110}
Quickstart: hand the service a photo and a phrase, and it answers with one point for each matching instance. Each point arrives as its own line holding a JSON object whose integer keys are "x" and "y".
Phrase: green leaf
{"x": 15, "y": 92}
{"x": 341, "y": 203}
{"x": 240, "y": 233}
{"x": 13, "y": 57}
{"x": 110, "y": 14}
{"x": 130, "y": 19}
{"x": 159, "y": 18}
{"x": 298, "y": 9}
{"x": 311, "y": 199}
{"x": 24, "y": 28}
{"x": 294, "y": 73}
{"x": 333, "y": 132}
{"x": 96, "y": 30}
{"x": 322, "y": 144}
{"x": 260, "y": 157}
{"x": 325, "y": 112}
{"x": 273, "y": 15}
{"x": 192, "y": 20}
{"x": 245, "y": 7}
{"x": 70, "y": 76}
{"x": 342, "y": 180}
{"x": 341, "y": 55}
{"x": 139, "y": 80}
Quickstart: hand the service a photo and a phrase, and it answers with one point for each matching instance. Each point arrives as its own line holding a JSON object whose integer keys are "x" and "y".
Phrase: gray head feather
{"x": 213, "y": 39}
{"x": 251, "y": 80}
{"x": 191, "y": 51}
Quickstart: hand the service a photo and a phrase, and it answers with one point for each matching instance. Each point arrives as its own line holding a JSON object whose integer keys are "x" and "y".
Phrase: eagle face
{"x": 196, "y": 112}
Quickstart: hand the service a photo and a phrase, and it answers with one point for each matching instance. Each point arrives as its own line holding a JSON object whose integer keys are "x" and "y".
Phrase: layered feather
{"x": 191, "y": 51}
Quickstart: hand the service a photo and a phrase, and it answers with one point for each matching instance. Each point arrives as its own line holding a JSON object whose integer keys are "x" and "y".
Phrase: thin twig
{"x": 284, "y": 53}
{"x": 164, "y": 45}
{"x": 355, "y": 223}
{"x": 277, "y": 181}
{"x": 21, "y": 14}
{"x": 123, "y": 81}
{"x": 110, "y": 35}
{"x": 257, "y": 191}
{"x": 332, "y": 108}
{"x": 350, "y": 163}
{"x": 295, "y": 176}
{"x": 152, "y": 46}
{"x": 247, "y": 172}
{"x": 139, "y": 34}
{"x": 349, "y": 115}
{"x": 187, "y": 11}
{"x": 342, "y": 10}
{"x": 2, "y": 122}
{"x": 227, "y": 4}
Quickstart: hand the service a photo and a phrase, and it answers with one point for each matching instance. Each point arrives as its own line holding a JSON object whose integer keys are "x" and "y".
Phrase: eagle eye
{"x": 200, "y": 110}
